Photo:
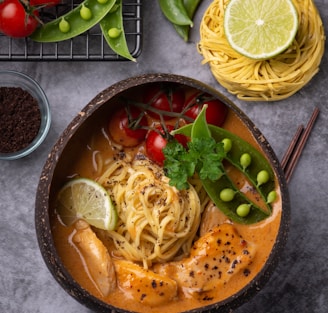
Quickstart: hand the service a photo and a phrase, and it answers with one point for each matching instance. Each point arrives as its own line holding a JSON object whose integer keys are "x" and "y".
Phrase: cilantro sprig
{"x": 202, "y": 156}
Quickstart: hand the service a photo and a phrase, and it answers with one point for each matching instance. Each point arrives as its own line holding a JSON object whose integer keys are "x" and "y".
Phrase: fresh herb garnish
{"x": 203, "y": 156}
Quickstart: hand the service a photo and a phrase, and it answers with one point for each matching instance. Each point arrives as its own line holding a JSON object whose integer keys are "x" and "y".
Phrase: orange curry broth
{"x": 262, "y": 234}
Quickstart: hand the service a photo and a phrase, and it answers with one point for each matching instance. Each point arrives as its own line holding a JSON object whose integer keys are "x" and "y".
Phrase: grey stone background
{"x": 300, "y": 281}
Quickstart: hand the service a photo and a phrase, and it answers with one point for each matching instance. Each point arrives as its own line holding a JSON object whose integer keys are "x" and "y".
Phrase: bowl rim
{"x": 45, "y": 113}
{"x": 42, "y": 220}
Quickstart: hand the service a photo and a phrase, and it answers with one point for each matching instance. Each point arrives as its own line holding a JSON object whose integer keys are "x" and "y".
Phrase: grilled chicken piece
{"x": 214, "y": 259}
{"x": 211, "y": 217}
{"x": 144, "y": 285}
{"x": 95, "y": 256}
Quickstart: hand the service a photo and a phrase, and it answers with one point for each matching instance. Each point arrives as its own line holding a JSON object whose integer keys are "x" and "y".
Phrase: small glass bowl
{"x": 10, "y": 78}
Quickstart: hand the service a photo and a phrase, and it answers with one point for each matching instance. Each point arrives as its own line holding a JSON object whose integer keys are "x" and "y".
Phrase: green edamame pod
{"x": 175, "y": 12}
{"x": 191, "y": 7}
{"x": 114, "y": 20}
{"x": 51, "y": 32}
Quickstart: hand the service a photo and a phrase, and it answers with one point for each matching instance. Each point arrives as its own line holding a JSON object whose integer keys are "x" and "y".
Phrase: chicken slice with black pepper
{"x": 144, "y": 285}
{"x": 213, "y": 260}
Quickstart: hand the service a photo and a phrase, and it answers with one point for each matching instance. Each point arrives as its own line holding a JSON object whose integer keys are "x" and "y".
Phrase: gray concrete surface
{"x": 299, "y": 283}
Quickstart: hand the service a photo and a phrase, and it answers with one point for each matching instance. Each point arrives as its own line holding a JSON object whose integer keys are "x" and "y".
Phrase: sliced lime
{"x": 260, "y": 29}
{"x": 85, "y": 199}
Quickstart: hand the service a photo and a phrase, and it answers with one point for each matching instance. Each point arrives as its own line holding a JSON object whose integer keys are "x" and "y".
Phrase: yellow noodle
{"x": 157, "y": 223}
{"x": 270, "y": 80}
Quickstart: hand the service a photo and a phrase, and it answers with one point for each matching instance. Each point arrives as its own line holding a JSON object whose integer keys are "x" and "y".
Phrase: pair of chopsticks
{"x": 296, "y": 146}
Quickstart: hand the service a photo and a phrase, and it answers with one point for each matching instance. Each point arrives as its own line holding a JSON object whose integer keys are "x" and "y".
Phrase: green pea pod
{"x": 213, "y": 189}
{"x": 201, "y": 129}
{"x": 258, "y": 163}
{"x": 74, "y": 23}
{"x": 114, "y": 21}
{"x": 175, "y": 12}
{"x": 191, "y": 7}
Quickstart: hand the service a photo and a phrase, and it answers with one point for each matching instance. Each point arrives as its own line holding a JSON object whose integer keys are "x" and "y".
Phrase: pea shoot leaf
{"x": 203, "y": 156}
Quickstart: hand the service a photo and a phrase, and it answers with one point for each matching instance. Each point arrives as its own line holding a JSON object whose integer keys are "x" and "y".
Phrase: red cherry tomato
{"x": 47, "y": 3}
{"x": 216, "y": 111}
{"x": 164, "y": 98}
{"x": 156, "y": 142}
{"x": 125, "y": 126}
{"x": 15, "y": 20}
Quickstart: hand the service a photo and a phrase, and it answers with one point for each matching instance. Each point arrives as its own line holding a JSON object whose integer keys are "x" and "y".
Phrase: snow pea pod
{"x": 200, "y": 129}
{"x": 258, "y": 161}
{"x": 113, "y": 31}
{"x": 191, "y": 7}
{"x": 75, "y": 24}
{"x": 175, "y": 12}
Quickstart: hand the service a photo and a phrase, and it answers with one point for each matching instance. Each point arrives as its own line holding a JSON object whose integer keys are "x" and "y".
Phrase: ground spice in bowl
{"x": 20, "y": 119}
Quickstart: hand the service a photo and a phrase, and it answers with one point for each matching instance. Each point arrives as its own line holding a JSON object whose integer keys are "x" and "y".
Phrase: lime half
{"x": 260, "y": 29}
{"x": 85, "y": 199}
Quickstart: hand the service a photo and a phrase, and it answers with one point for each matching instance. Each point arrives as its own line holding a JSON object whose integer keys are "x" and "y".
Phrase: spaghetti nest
{"x": 273, "y": 79}
{"x": 157, "y": 223}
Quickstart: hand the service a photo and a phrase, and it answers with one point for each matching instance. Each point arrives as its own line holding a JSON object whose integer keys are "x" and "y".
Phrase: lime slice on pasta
{"x": 85, "y": 199}
{"x": 260, "y": 29}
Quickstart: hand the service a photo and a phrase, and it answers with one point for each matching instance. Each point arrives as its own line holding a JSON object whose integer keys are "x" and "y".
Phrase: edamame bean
{"x": 227, "y": 194}
{"x": 85, "y": 13}
{"x": 245, "y": 160}
{"x": 262, "y": 177}
{"x": 114, "y": 19}
{"x": 227, "y": 144}
{"x": 64, "y": 26}
{"x": 243, "y": 209}
{"x": 54, "y": 31}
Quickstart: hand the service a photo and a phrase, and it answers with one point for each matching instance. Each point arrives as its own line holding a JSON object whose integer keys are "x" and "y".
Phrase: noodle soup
{"x": 172, "y": 250}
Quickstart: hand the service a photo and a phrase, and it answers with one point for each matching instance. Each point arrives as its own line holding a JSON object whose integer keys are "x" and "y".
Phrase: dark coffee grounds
{"x": 20, "y": 119}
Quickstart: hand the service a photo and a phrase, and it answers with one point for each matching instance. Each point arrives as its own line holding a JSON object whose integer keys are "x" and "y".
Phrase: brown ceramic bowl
{"x": 68, "y": 145}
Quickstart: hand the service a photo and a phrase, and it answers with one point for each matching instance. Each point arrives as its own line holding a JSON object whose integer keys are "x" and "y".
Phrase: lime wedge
{"x": 85, "y": 199}
{"x": 260, "y": 29}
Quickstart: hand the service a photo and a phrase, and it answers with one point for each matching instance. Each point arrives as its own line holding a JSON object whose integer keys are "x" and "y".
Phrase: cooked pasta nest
{"x": 157, "y": 222}
{"x": 263, "y": 80}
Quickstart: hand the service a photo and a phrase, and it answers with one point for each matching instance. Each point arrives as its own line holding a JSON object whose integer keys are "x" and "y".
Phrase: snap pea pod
{"x": 74, "y": 22}
{"x": 200, "y": 129}
{"x": 257, "y": 164}
{"x": 213, "y": 189}
{"x": 191, "y": 7}
{"x": 175, "y": 12}
{"x": 113, "y": 31}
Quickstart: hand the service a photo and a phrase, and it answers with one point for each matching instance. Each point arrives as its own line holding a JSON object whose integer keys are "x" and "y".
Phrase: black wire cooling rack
{"x": 89, "y": 46}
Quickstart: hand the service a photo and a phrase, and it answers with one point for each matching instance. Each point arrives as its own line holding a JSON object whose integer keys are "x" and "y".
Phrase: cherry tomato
{"x": 216, "y": 111}
{"x": 16, "y": 20}
{"x": 125, "y": 126}
{"x": 47, "y": 3}
{"x": 165, "y": 98}
{"x": 157, "y": 140}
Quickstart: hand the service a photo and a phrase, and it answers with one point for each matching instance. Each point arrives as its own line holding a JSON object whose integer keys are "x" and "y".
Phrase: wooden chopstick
{"x": 291, "y": 147}
{"x": 297, "y": 145}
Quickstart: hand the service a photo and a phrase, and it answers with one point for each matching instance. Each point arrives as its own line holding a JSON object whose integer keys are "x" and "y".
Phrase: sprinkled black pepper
{"x": 246, "y": 272}
{"x": 153, "y": 284}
